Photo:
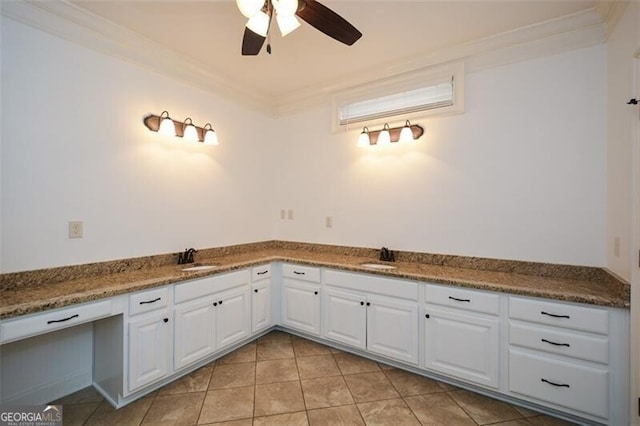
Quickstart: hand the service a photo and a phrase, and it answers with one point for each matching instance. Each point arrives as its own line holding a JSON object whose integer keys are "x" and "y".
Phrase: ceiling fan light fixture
{"x": 259, "y": 23}
{"x": 249, "y": 7}
{"x": 287, "y": 23}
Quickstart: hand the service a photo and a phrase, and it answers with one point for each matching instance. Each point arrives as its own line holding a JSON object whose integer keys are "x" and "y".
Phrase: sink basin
{"x": 199, "y": 268}
{"x": 377, "y": 266}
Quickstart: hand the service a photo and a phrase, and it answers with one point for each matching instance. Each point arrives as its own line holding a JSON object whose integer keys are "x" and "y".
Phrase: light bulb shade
{"x": 285, "y": 7}
{"x": 363, "y": 139}
{"x": 210, "y": 136}
{"x": 406, "y": 134}
{"x": 384, "y": 137}
{"x": 167, "y": 127}
{"x": 287, "y": 23}
{"x": 249, "y": 7}
{"x": 190, "y": 132}
{"x": 259, "y": 23}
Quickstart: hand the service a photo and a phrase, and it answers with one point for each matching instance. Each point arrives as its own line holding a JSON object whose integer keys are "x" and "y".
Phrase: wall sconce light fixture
{"x": 407, "y": 133}
{"x": 163, "y": 124}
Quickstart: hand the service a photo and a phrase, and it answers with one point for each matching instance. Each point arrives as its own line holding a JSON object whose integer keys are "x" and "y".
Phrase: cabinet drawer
{"x": 305, "y": 273}
{"x": 582, "y": 318}
{"x": 571, "y": 385}
{"x": 206, "y": 286}
{"x": 367, "y": 283}
{"x": 43, "y": 323}
{"x": 457, "y": 297}
{"x": 148, "y": 301}
{"x": 260, "y": 272}
{"x": 563, "y": 342}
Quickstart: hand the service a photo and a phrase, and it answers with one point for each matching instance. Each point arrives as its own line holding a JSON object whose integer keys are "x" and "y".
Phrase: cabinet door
{"x": 195, "y": 332}
{"x": 149, "y": 338}
{"x": 463, "y": 345}
{"x": 260, "y": 305}
{"x": 345, "y": 317}
{"x": 301, "y": 306}
{"x": 392, "y": 328}
{"x": 233, "y": 316}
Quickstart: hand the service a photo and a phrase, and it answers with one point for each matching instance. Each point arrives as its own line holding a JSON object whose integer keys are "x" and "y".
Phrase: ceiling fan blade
{"x": 251, "y": 43}
{"x": 327, "y": 21}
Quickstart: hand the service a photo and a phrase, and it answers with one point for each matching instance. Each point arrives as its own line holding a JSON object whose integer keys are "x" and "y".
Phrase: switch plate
{"x": 328, "y": 222}
{"x": 75, "y": 229}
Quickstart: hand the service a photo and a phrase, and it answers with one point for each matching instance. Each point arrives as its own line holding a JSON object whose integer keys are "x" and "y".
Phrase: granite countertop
{"x": 30, "y": 292}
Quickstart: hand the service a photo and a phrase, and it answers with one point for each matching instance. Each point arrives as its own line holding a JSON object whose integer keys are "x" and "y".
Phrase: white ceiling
{"x": 396, "y": 35}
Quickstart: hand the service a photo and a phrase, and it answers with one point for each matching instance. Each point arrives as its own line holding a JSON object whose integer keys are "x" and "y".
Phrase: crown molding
{"x": 67, "y": 21}
{"x": 554, "y": 36}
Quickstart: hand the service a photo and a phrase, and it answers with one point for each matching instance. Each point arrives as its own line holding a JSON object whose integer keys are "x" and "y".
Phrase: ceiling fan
{"x": 315, "y": 14}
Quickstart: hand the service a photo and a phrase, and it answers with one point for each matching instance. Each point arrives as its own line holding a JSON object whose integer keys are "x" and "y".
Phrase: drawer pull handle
{"x": 560, "y": 385}
{"x": 554, "y": 315}
{"x": 298, "y": 273}
{"x": 63, "y": 320}
{"x": 555, "y": 344}
{"x": 459, "y": 300}
{"x": 262, "y": 273}
{"x": 144, "y": 302}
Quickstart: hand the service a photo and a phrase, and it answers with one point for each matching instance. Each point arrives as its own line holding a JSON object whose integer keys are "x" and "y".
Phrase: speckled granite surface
{"x": 35, "y": 291}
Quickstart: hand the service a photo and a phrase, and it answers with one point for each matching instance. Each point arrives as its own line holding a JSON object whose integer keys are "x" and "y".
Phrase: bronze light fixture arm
{"x": 152, "y": 122}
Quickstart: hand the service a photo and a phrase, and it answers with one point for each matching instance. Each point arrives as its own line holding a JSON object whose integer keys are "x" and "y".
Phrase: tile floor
{"x": 285, "y": 380}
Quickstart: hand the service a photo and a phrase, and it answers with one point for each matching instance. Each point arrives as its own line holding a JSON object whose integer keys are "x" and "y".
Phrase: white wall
{"x": 520, "y": 175}
{"x": 621, "y": 120}
{"x": 74, "y": 148}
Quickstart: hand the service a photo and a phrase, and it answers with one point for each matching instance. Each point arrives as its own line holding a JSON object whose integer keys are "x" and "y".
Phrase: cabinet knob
{"x": 215, "y": 303}
{"x": 220, "y": 302}
{"x": 255, "y": 291}
{"x": 361, "y": 303}
{"x": 368, "y": 303}
{"x": 166, "y": 320}
{"x": 315, "y": 292}
{"x": 427, "y": 316}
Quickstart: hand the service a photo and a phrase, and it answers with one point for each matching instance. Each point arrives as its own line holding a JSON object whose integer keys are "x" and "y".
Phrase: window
{"x": 428, "y": 92}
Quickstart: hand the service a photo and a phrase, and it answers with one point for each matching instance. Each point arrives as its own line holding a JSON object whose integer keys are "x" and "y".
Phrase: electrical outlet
{"x": 328, "y": 222}
{"x": 75, "y": 229}
{"x": 290, "y": 214}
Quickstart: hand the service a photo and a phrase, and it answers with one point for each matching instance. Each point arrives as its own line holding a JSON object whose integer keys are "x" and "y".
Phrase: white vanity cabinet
{"x": 462, "y": 334}
{"x": 261, "y": 302}
{"x": 210, "y": 314}
{"x": 567, "y": 356}
{"x": 373, "y": 313}
{"x": 301, "y": 298}
{"x": 149, "y": 331}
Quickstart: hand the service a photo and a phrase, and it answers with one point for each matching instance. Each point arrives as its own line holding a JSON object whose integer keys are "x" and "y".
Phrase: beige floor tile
{"x": 289, "y": 419}
{"x": 221, "y": 405}
{"x": 438, "y": 409}
{"x": 77, "y": 414}
{"x": 175, "y": 410}
{"x": 303, "y": 347}
{"x": 409, "y": 384}
{"x": 274, "y": 350}
{"x": 347, "y": 415}
{"x": 278, "y": 398}
{"x": 83, "y": 396}
{"x": 198, "y": 381}
{"x": 388, "y": 412}
{"x": 484, "y": 410}
{"x": 246, "y": 353}
{"x": 385, "y": 366}
{"x": 129, "y": 415}
{"x": 548, "y": 421}
{"x": 367, "y": 387}
{"x": 276, "y": 336}
{"x": 310, "y": 367}
{"x": 518, "y": 422}
{"x": 326, "y": 392}
{"x": 353, "y": 364}
{"x": 233, "y": 375}
{"x": 277, "y": 370}
{"x": 525, "y": 412}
